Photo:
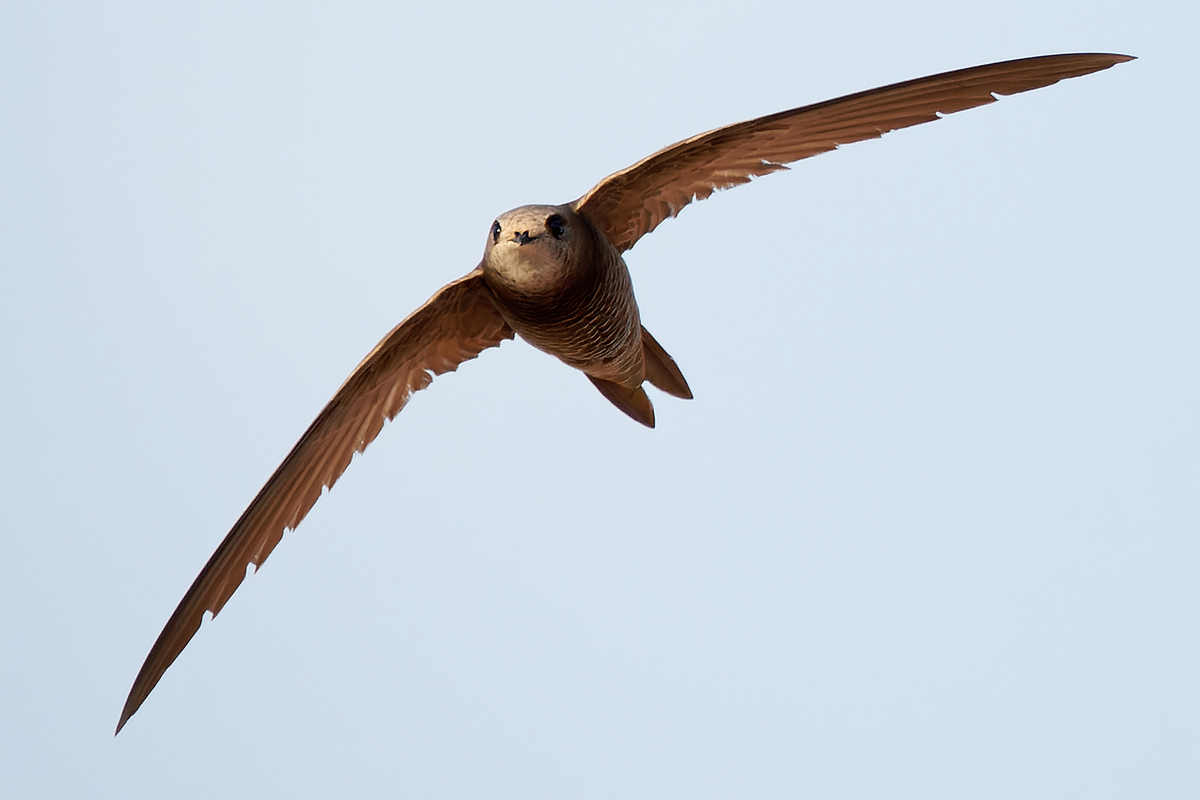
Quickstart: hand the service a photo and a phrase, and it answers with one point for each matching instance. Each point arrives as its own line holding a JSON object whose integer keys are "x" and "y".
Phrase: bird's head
{"x": 531, "y": 249}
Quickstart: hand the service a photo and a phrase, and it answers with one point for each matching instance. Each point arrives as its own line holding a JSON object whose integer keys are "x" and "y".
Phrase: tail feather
{"x": 661, "y": 369}
{"x": 633, "y": 402}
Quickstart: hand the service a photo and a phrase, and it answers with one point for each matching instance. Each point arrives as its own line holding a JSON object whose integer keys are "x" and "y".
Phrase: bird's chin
{"x": 521, "y": 271}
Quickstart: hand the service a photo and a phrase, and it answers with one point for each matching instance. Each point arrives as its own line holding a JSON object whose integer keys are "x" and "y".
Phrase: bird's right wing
{"x": 455, "y": 325}
{"x": 629, "y": 204}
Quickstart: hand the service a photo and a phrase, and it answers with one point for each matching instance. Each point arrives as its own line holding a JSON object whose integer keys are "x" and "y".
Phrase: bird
{"x": 555, "y": 275}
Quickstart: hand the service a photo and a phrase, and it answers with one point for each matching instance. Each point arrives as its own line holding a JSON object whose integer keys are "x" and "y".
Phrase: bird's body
{"x": 561, "y": 285}
{"x": 569, "y": 295}
{"x": 556, "y": 276}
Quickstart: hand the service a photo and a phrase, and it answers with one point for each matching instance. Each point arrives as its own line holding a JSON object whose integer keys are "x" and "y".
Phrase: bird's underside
{"x": 555, "y": 276}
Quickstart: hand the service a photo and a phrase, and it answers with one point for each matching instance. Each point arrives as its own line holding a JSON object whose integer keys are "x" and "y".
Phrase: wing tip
{"x": 1099, "y": 61}
{"x": 132, "y": 704}
{"x": 1110, "y": 59}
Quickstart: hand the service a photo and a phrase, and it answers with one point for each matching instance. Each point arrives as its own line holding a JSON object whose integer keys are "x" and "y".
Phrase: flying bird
{"x": 554, "y": 274}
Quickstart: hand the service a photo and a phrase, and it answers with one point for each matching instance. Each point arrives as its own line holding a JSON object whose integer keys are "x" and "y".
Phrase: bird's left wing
{"x": 629, "y": 204}
{"x": 455, "y": 325}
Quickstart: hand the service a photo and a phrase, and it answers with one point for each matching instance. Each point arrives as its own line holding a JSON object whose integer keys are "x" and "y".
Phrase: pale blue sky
{"x": 929, "y": 529}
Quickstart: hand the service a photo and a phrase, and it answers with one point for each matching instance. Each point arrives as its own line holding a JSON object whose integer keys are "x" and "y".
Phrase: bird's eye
{"x": 495, "y": 231}
{"x": 556, "y": 225}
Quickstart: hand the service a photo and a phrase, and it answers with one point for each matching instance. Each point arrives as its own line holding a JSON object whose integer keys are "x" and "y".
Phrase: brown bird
{"x": 555, "y": 275}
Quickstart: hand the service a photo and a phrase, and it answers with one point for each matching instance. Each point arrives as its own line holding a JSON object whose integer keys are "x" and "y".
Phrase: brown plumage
{"x": 555, "y": 275}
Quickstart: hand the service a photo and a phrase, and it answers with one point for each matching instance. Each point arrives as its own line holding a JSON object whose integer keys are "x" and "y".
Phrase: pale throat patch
{"x": 531, "y": 265}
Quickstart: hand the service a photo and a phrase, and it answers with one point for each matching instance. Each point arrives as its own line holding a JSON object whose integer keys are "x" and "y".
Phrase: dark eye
{"x": 495, "y": 231}
{"x": 556, "y": 225}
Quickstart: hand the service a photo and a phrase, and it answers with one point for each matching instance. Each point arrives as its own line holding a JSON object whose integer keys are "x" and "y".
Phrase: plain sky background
{"x": 930, "y": 527}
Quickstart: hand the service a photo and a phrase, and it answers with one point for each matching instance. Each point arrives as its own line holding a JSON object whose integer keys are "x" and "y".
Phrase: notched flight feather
{"x": 632, "y": 202}
{"x": 454, "y": 326}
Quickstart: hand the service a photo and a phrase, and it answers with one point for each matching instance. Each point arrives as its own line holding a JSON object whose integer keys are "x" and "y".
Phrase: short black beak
{"x": 523, "y": 237}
